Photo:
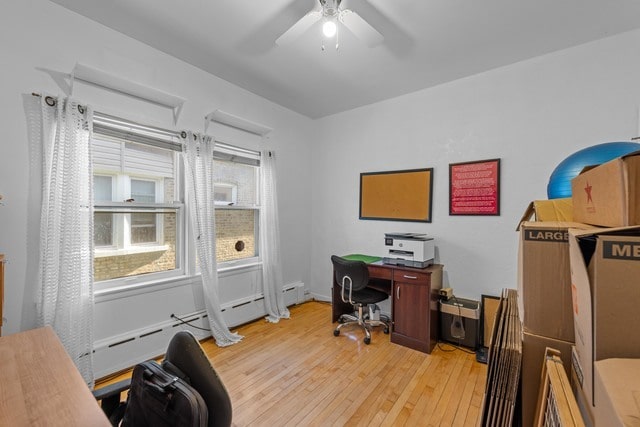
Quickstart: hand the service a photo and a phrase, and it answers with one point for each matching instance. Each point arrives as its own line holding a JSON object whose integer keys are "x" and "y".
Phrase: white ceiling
{"x": 427, "y": 42}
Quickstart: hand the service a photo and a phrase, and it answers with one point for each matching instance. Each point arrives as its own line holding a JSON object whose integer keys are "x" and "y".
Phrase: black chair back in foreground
{"x": 185, "y": 353}
{"x": 185, "y": 359}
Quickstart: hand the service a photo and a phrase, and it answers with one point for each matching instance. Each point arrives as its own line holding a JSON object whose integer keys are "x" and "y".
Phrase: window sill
{"x": 231, "y": 266}
{"x": 130, "y": 286}
{"x": 124, "y": 290}
{"x": 132, "y": 250}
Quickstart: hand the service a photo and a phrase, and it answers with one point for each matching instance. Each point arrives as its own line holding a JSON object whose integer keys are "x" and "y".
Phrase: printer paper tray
{"x": 407, "y": 263}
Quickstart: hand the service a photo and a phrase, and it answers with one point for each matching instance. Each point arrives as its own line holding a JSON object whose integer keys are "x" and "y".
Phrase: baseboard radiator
{"x": 123, "y": 351}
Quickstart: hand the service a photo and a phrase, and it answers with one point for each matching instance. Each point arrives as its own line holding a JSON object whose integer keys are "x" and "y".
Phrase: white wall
{"x": 531, "y": 115}
{"x": 39, "y": 42}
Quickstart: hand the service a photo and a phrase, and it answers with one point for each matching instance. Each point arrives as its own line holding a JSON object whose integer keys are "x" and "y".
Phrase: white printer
{"x": 408, "y": 249}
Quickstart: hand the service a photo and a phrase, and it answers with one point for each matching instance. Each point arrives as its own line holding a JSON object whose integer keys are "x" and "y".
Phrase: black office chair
{"x": 353, "y": 277}
{"x": 184, "y": 358}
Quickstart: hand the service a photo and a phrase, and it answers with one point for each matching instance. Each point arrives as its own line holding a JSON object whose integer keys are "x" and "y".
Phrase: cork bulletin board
{"x": 403, "y": 195}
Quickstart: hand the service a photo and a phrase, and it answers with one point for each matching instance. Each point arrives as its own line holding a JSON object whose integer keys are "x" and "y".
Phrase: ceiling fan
{"x": 332, "y": 14}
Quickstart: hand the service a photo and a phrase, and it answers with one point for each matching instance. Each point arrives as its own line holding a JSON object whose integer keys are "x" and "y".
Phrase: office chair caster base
{"x": 344, "y": 318}
{"x": 367, "y": 340}
{"x": 386, "y": 331}
{"x": 336, "y": 332}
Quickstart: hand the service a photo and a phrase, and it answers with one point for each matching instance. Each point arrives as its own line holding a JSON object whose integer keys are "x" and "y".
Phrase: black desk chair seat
{"x": 353, "y": 277}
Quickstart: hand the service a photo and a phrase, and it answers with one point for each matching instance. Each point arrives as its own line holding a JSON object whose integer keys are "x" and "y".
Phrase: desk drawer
{"x": 408, "y": 276}
{"x": 378, "y": 272}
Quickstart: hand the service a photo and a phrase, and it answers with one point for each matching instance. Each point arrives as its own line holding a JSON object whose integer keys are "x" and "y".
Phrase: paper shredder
{"x": 460, "y": 322}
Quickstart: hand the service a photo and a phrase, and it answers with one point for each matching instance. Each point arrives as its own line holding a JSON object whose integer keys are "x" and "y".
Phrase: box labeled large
{"x": 533, "y": 352}
{"x": 544, "y": 279}
{"x": 459, "y": 322}
{"x": 548, "y": 210}
{"x": 605, "y": 281}
{"x": 608, "y": 194}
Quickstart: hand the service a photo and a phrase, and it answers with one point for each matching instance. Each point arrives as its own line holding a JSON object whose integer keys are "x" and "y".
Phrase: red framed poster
{"x": 474, "y": 188}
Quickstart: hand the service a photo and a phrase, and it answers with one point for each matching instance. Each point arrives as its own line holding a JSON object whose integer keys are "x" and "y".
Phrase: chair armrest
{"x": 112, "y": 389}
{"x": 109, "y": 399}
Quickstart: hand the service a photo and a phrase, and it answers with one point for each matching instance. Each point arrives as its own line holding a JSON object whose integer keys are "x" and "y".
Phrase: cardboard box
{"x": 533, "y": 351}
{"x": 586, "y": 410}
{"x": 544, "y": 279}
{"x": 617, "y": 388}
{"x": 605, "y": 272}
{"x": 548, "y": 210}
{"x": 608, "y": 194}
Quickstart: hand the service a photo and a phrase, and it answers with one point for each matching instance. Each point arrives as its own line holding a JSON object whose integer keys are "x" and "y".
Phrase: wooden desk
{"x": 414, "y": 302}
{"x": 40, "y": 385}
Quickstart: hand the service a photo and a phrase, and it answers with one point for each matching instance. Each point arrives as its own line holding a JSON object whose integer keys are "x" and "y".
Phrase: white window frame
{"x": 147, "y": 279}
{"x": 121, "y": 238}
{"x": 122, "y": 130}
{"x": 159, "y": 197}
{"x": 114, "y": 227}
{"x": 249, "y": 261}
{"x": 234, "y": 194}
{"x": 229, "y": 153}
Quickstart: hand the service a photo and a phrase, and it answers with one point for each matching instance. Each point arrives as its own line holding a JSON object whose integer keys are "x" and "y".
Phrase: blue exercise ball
{"x": 560, "y": 179}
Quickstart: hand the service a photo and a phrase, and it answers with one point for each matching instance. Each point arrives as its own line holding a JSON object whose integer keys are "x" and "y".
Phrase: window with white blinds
{"x": 139, "y": 219}
{"x": 131, "y": 158}
{"x": 139, "y": 211}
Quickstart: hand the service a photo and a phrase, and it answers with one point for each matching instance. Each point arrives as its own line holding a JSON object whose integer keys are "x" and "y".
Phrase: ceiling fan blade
{"x": 360, "y": 28}
{"x": 299, "y": 28}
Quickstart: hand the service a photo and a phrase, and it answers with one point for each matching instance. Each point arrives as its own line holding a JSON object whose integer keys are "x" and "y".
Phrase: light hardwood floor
{"x": 296, "y": 373}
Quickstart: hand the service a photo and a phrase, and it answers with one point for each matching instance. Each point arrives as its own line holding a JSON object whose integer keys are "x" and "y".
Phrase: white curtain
{"x": 198, "y": 162}
{"x": 272, "y": 281}
{"x": 65, "y": 291}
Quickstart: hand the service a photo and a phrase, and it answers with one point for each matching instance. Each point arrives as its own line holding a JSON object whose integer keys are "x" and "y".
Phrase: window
{"x": 144, "y": 226}
{"x": 225, "y": 194}
{"x": 139, "y": 218}
{"x": 138, "y": 212}
{"x": 236, "y": 175}
{"x": 103, "y": 222}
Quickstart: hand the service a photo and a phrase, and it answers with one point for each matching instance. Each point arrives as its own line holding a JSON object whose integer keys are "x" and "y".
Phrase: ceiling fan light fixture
{"x": 330, "y": 15}
{"x": 329, "y": 28}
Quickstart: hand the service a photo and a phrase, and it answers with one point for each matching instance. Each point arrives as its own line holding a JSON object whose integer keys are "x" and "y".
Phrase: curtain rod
{"x": 118, "y": 120}
{"x": 178, "y": 134}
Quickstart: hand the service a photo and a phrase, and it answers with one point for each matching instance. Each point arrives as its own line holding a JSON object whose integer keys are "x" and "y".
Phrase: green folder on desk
{"x": 368, "y": 259}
